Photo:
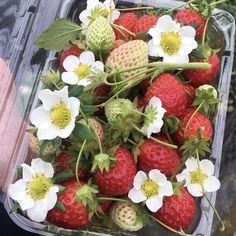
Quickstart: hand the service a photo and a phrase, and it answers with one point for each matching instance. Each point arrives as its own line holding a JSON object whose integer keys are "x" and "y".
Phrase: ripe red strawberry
{"x": 128, "y": 21}
{"x": 190, "y": 94}
{"x": 119, "y": 179}
{"x": 198, "y": 121}
{"x": 72, "y": 50}
{"x": 153, "y": 155}
{"x": 170, "y": 91}
{"x": 65, "y": 162}
{"x": 106, "y": 205}
{"x": 145, "y": 23}
{"x": 192, "y": 18}
{"x": 75, "y": 215}
{"x": 200, "y": 76}
{"x": 177, "y": 211}
{"x": 102, "y": 91}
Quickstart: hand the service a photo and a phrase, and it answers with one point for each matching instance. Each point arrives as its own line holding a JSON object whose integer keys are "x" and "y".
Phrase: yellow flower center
{"x": 170, "y": 43}
{"x": 60, "y": 115}
{"x": 150, "y": 188}
{"x": 83, "y": 71}
{"x": 197, "y": 177}
{"x": 105, "y": 13}
{"x": 38, "y": 187}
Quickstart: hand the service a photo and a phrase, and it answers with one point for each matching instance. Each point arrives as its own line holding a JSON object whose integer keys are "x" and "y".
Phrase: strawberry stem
{"x": 216, "y": 3}
{"x": 192, "y": 116}
{"x": 135, "y": 8}
{"x": 180, "y": 6}
{"x": 112, "y": 199}
{"x": 169, "y": 228}
{"x": 78, "y": 160}
{"x": 154, "y": 139}
{"x": 123, "y": 29}
{"x": 204, "y": 33}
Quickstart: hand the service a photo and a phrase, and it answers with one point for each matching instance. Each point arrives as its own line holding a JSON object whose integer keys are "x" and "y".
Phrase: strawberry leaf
{"x": 15, "y": 207}
{"x": 88, "y": 109}
{"x": 171, "y": 124}
{"x": 58, "y": 35}
{"x": 19, "y": 172}
{"x": 83, "y": 132}
{"x": 60, "y": 206}
{"x": 76, "y": 91}
{"x": 62, "y": 176}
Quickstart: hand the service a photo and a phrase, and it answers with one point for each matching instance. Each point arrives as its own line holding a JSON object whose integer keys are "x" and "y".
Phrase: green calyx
{"x": 51, "y": 78}
{"x": 206, "y": 97}
{"x": 102, "y": 162}
{"x": 100, "y": 36}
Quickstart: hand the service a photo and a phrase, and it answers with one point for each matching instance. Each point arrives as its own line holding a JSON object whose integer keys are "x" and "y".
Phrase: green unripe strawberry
{"x": 121, "y": 114}
{"x": 128, "y": 55}
{"x": 124, "y": 215}
{"x": 100, "y": 36}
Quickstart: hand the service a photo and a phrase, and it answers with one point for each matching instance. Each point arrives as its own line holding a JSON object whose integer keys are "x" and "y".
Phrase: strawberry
{"x": 102, "y": 91}
{"x": 65, "y": 162}
{"x": 128, "y": 21}
{"x": 170, "y": 91}
{"x": 128, "y": 55}
{"x": 72, "y": 50}
{"x": 177, "y": 212}
{"x": 106, "y": 205}
{"x": 199, "y": 121}
{"x": 200, "y": 76}
{"x": 119, "y": 179}
{"x": 153, "y": 155}
{"x": 192, "y": 18}
{"x": 145, "y": 23}
{"x": 100, "y": 36}
{"x": 125, "y": 216}
{"x": 75, "y": 215}
{"x": 118, "y": 43}
{"x": 190, "y": 94}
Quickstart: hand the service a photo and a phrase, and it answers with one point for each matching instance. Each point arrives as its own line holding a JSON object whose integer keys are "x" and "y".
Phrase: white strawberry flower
{"x": 94, "y": 9}
{"x": 80, "y": 70}
{"x": 150, "y": 188}
{"x": 56, "y": 116}
{"x": 171, "y": 41}
{"x": 35, "y": 192}
{"x": 154, "y": 113}
{"x": 199, "y": 177}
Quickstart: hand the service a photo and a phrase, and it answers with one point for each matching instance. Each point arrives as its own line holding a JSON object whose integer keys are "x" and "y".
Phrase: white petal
{"x": 37, "y": 213}
{"x": 84, "y": 17}
{"x": 65, "y": 133}
{"x": 195, "y": 190}
{"x": 156, "y": 35}
{"x": 187, "y": 46}
{"x": 157, "y": 177}
{"x": 155, "y": 50}
{"x": 191, "y": 164}
{"x": 187, "y": 31}
{"x": 40, "y": 118}
{"x": 48, "y": 98}
{"x": 211, "y": 184}
{"x": 42, "y": 167}
{"x": 139, "y": 178}
{"x": 71, "y": 63}
{"x": 136, "y": 196}
{"x": 87, "y": 58}
{"x": 84, "y": 82}
{"x": 184, "y": 176}
{"x": 69, "y": 78}
{"x": 50, "y": 201}
{"x": 28, "y": 172}
{"x": 47, "y": 134}
{"x": 166, "y": 189}
{"x": 62, "y": 94}
{"x": 115, "y": 14}
{"x": 176, "y": 59}
{"x": 98, "y": 65}
{"x": 74, "y": 106}
{"x": 154, "y": 203}
{"x": 147, "y": 131}
{"x": 17, "y": 190}
{"x": 26, "y": 203}
{"x": 155, "y": 102}
{"x": 165, "y": 24}
{"x": 156, "y": 126}
{"x": 207, "y": 167}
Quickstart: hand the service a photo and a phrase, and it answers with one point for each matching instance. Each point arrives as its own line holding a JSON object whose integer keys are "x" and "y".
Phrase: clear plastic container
{"x": 20, "y": 86}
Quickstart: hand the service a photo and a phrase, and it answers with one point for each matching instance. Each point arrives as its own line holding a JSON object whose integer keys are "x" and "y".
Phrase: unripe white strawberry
{"x": 124, "y": 215}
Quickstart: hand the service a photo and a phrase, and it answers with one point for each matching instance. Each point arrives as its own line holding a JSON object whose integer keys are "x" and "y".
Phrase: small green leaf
{"x": 60, "y": 206}
{"x": 58, "y": 35}
{"x": 15, "y": 207}
{"x": 87, "y": 109}
{"x": 172, "y": 124}
{"x": 63, "y": 176}
{"x": 19, "y": 172}
{"x": 142, "y": 35}
{"x": 76, "y": 91}
{"x": 83, "y": 132}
